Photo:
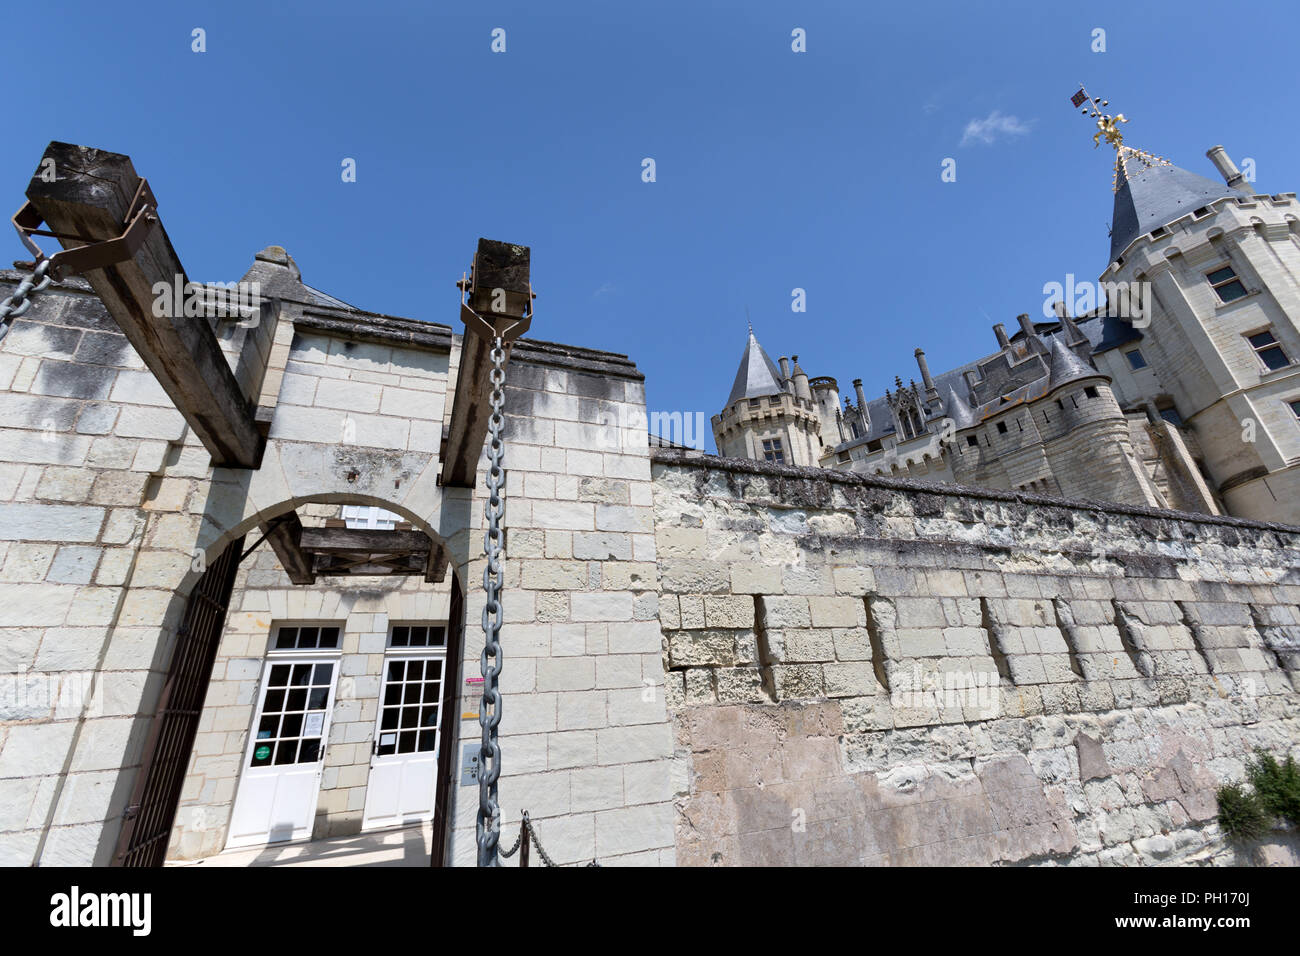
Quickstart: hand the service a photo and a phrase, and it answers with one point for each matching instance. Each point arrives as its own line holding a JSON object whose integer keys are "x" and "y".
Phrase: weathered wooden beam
{"x": 89, "y": 199}
{"x": 435, "y": 567}
{"x": 284, "y": 535}
{"x": 361, "y": 540}
{"x": 499, "y": 294}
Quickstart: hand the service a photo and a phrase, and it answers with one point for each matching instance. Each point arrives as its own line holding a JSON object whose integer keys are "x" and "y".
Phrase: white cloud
{"x": 991, "y": 128}
{"x": 605, "y": 289}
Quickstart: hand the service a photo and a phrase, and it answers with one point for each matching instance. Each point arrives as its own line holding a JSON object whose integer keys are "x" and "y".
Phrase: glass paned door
{"x": 280, "y": 783}
{"x": 403, "y": 768}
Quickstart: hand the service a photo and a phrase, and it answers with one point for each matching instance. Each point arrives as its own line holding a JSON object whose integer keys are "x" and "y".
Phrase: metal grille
{"x": 151, "y": 813}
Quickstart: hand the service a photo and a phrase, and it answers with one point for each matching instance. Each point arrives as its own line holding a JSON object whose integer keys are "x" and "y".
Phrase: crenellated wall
{"x": 874, "y": 671}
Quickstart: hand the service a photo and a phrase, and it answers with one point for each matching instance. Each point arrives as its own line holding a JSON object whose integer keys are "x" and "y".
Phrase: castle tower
{"x": 1210, "y": 275}
{"x": 771, "y": 414}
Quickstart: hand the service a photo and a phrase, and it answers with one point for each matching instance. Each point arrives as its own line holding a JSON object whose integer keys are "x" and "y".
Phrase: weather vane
{"x": 1108, "y": 126}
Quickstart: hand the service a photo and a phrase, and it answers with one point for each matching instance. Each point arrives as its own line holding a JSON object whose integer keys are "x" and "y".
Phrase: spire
{"x": 961, "y": 414}
{"x": 1150, "y": 191}
{"x": 756, "y": 375}
{"x": 1066, "y": 366}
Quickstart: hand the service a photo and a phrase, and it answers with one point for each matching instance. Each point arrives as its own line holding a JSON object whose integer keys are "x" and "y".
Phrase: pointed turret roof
{"x": 756, "y": 376}
{"x": 962, "y": 415}
{"x": 1151, "y": 192}
{"x": 1066, "y": 366}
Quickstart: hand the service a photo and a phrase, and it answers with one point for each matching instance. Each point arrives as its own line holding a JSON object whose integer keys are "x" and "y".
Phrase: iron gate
{"x": 151, "y": 813}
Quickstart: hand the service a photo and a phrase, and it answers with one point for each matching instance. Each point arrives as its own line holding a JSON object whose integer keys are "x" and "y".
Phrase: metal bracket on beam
{"x": 490, "y": 311}
{"x": 140, "y": 219}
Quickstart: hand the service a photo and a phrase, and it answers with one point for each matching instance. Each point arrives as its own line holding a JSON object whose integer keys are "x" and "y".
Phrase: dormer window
{"x": 753, "y": 403}
{"x": 1135, "y": 359}
{"x": 1225, "y": 282}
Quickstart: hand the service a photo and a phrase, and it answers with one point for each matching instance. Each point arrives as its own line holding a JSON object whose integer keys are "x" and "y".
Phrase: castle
{"x": 1180, "y": 390}
{"x": 243, "y": 555}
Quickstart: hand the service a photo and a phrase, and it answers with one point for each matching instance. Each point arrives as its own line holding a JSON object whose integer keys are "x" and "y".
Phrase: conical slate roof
{"x": 1152, "y": 193}
{"x": 961, "y": 414}
{"x": 1066, "y": 366}
{"x": 756, "y": 375}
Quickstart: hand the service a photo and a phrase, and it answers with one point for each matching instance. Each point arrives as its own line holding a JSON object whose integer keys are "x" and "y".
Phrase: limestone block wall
{"x": 110, "y": 509}
{"x": 585, "y": 737}
{"x": 866, "y": 670}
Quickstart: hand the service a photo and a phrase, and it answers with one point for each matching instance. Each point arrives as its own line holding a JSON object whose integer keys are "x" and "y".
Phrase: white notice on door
{"x": 314, "y": 724}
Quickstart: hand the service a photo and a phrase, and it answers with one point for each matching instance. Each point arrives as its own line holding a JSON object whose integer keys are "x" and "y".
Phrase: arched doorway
{"x": 434, "y": 670}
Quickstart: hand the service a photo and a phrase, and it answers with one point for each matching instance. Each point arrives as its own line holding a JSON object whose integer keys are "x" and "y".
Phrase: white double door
{"x": 280, "y": 784}
{"x": 404, "y": 755}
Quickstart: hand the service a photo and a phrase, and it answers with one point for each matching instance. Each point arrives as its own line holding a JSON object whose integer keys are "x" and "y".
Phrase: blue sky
{"x": 774, "y": 170}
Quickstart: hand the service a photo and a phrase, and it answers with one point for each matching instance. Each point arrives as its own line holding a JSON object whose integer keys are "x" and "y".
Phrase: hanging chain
{"x": 489, "y": 811}
{"x": 21, "y": 300}
{"x": 532, "y": 838}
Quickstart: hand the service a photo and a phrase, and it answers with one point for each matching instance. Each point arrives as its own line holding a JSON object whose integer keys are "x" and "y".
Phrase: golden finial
{"x": 1108, "y": 127}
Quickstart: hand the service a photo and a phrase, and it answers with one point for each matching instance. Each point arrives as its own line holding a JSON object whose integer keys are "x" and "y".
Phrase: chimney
{"x": 931, "y": 392}
{"x": 1001, "y": 332}
{"x": 1032, "y": 343}
{"x": 785, "y": 367}
{"x": 862, "y": 406}
{"x": 1228, "y": 169}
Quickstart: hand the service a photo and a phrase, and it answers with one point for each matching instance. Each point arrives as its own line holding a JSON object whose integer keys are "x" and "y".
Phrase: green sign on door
{"x": 262, "y": 752}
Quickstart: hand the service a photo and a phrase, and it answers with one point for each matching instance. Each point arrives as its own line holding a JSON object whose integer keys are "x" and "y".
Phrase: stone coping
{"x": 830, "y": 476}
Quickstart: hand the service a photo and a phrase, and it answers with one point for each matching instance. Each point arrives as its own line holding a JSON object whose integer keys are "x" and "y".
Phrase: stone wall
{"x": 110, "y": 509}
{"x": 867, "y": 670}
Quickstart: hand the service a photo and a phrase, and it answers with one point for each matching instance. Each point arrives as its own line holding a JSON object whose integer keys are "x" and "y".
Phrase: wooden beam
{"x": 499, "y": 292}
{"x": 285, "y": 538}
{"x": 435, "y": 567}
{"x": 89, "y": 199}
{"x": 360, "y": 540}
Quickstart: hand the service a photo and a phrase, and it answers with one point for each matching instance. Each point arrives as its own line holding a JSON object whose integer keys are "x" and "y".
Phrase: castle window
{"x": 1002, "y": 428}
{"x": 1171, "y": 416}
{"x": 370, "y": 517}
{"x": 1090, "y": 392}
{"x": 1225, "y": 282}
{"x": 972, "y": 440}
{"x": 1295, "y": 408}
{"x": 1060, "y": 403}
{"x": 1268, "y": 350}
{"x": 753, "y": 403}
{"x": 1135, "y": 359}
{"x": 306, "y": 637}
{"x": 774, "y": 400}
{"x": 772, "y": 450}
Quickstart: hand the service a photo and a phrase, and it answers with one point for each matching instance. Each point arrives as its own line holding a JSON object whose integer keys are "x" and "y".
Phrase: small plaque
{"x": 388, "y": 740}
{"x": 315, "y": 722}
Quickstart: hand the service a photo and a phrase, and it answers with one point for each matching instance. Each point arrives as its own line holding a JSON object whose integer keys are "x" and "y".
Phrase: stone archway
{"x": 237, "y": 507}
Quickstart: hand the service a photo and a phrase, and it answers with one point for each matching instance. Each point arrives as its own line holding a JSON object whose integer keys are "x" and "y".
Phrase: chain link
{"x": 489, "y": 811}
{"x": 21, "y": 300}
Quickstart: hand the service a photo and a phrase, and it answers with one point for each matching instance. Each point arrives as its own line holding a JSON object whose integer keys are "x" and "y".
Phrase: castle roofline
{"x": 757, "y": 375}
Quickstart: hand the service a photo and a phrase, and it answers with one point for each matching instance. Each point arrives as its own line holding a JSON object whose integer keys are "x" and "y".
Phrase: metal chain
{"x": 532, "y": 834}
{"x": 21, "y": 300}
{"x": 519, "y": 841}
{"x": 489, "y": 811}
